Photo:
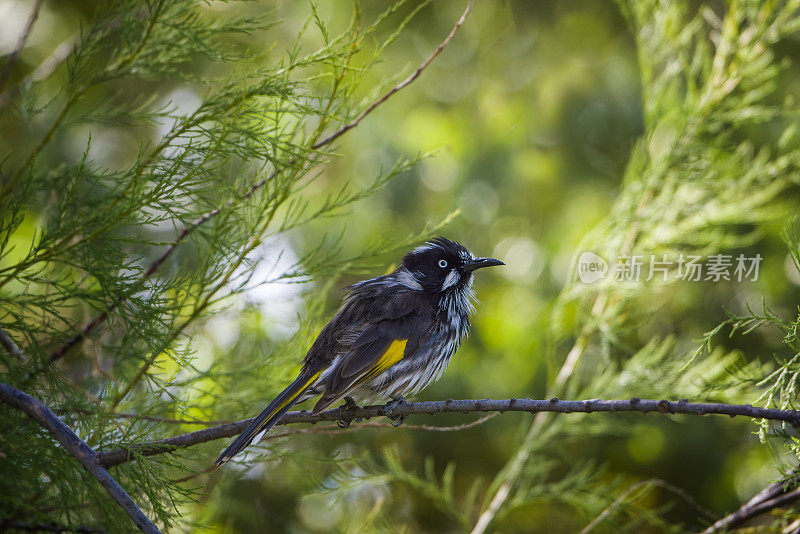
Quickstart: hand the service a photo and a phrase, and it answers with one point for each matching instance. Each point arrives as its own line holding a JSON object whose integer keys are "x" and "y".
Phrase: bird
{"x": 393, "y": 336}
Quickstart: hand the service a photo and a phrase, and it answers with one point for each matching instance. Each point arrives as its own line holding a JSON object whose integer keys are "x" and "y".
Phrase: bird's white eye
{"x": 443, "y": 264}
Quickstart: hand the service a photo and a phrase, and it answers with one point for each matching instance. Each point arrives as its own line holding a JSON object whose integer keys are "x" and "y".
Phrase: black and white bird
{"x": 393, "y": 336}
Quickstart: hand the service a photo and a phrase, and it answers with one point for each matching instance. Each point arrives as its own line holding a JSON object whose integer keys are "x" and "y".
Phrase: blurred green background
{"x": 532, "y": 110}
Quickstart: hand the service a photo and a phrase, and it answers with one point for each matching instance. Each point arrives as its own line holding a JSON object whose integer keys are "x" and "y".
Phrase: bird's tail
{"x": 269, "y": 416}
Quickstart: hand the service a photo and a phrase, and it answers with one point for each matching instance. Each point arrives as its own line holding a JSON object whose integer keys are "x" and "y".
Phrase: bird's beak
{"x": 479, "y": 263}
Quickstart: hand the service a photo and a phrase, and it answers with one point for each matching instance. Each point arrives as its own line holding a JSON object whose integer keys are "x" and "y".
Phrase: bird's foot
{"x": 396, "y": 402}
{"x": 349, "y": 405}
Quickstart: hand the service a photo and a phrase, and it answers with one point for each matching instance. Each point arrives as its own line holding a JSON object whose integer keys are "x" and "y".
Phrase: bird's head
{"x": 442, "y": 265}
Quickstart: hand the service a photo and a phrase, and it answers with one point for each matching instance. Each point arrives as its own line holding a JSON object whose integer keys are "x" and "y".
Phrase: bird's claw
{"x": 349, "y": 405}
{"x": 396, "y": 400}
{"x": 398, "y": 420}
{"x": 390, "y": 406}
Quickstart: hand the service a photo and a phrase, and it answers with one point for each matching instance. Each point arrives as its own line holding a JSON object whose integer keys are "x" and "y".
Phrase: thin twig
{"x": 394, "y": 411}
{"x": 773, "y": 496}
{"x": 414, "y": 75}
{"x": 255, "y": 186}
{"x": 87, "y": 457}
{"x": 12, "y": 59}
{"x": 330, "y": 431}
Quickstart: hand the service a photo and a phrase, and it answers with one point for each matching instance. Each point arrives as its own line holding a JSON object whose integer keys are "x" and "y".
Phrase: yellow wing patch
{"x": 391, "y": 356}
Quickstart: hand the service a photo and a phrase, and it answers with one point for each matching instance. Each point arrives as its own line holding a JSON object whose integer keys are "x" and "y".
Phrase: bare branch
{"x": 773, "y": 496}
{"x": 78, "y": 448}
{"x": 401, "y": 410}
{"x": 101, "y": 317}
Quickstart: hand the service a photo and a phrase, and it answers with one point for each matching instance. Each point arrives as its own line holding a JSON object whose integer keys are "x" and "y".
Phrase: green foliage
{"x": 171, "y": 177}
{"x": 84, "y": 239}
{"x": 779, "y": 384}
{"x": 707, "y": 173}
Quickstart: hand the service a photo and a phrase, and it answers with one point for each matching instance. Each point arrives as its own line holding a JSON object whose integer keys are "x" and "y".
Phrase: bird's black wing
{"x": 394, "y": 331}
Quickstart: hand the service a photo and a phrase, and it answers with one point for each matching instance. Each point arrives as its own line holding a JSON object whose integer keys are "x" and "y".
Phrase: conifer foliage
{"x": 107, "y": 270}
{"x": 110, "y": 267}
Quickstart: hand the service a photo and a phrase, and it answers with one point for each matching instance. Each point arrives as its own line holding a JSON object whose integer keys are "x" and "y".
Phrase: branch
{"x": 773, "y": 496}
{"x": 87, "y": 456}
{"x": 402, "y": 410}
{"x": 101, "y": 318}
